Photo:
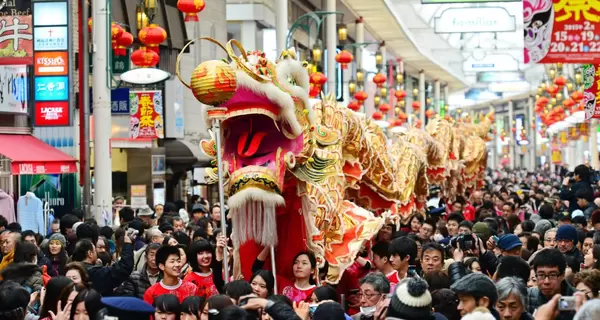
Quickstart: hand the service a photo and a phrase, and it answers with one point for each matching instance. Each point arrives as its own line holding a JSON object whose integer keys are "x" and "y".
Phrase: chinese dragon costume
{"x": 300, "y": 175}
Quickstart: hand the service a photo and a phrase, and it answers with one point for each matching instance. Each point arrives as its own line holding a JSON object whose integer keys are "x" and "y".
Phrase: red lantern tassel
{"x": 154, "y": 48}
{"x": 191, "y": 16}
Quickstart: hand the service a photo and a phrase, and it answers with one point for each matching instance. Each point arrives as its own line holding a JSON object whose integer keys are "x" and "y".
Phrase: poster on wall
{"x": 13, "y": 89}
{"x": 61, "y": 191}
{"x": 561, "y": 31}
{"x": 591, "y": 90}
{"x": 146, "y": 115}
{"x": 16, "y": 38}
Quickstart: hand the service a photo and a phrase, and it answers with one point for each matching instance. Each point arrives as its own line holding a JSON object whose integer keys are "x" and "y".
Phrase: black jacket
{"x": 576, "y": 254}
{"x": 136, "y": 285}
{"x": 281, "y": 311}
{"x": 29, "y": 275}
{"x": 106, "y": 279}
{"x": 535, "y": 299}
{"x": 568, "y": 193}
{"x": 456, "y": 270}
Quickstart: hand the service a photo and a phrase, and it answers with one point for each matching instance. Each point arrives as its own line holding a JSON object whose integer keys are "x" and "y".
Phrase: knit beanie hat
{"x": 476, "y": 285}
{"x": 481, "y": 228}
{"x": 542, "y": 226}
{"x": 59, "y": 237}
{"x": 566, "y": 232}
{"x": 411, "y": 300}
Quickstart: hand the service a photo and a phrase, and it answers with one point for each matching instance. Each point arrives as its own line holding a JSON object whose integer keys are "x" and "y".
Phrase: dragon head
{"x": 264, "y": 112}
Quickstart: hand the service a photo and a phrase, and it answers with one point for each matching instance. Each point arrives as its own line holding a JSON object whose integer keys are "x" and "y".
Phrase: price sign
{"x": 561, "y": 31}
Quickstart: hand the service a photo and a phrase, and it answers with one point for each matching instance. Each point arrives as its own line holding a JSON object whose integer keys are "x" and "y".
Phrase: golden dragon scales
{"x": 309, "y": 176}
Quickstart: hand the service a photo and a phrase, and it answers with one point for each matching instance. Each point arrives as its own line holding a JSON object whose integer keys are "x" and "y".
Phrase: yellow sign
{"x": 138, "y": 190}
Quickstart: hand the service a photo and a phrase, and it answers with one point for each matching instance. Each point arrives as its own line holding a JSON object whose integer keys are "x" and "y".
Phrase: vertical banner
{"x": 591, "y": 91}
{"x": 556, "y": 152}
{"x": 561, "y": 31}
{"x": 146, "y": 115}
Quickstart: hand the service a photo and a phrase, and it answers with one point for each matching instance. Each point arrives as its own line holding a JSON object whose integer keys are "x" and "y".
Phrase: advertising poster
{"x": 52, "y": 114}
{"x": 16, "y": 38}
{"x": 13, "y": 89}
{"x": 60, "y": 190}
{"x": 146, "y": 115}
{"x": 564, "y": 31}
{"x": 51, "y": 88}
{"x": 591, "y": 90}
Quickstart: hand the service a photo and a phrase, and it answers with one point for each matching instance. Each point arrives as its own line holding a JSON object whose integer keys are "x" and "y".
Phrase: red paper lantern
{"x": 152, "y": 36}
{"x": 400, "y": 94}
{"x": 398, "y": 122}
{"x": 429, "y": 113}
{"x": 144, "y": 57}
{"x": 124, "y": 41}
{"x": 344, "y": 58}
{"x": 513, "y": 129}
{"x": 318, "y": 78}
{"x": 542, "y": 101}
{"x": 568, "y": 103}
{"x": 379, "y": 79}
{"x": 377, "y": 115}
{"x": 577, "y": 96}
{"x": 191, "y": 8}
{"x": 560, "y": 81}
{"x": 416, "y": 105}
{"x": 384, "y": 107}
{"x": 354, "y": 105}
{"x": 552, "y": 90}
{"x": 361, "y": 96}
{"x": 116, "y": 32}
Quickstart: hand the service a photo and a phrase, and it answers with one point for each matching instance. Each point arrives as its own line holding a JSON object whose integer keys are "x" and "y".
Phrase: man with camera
{"x": 574, "y": 181}
{"x": 470, "y": 245}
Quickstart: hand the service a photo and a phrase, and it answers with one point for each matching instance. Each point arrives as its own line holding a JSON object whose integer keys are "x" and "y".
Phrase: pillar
{"x": 360, "y": 38}
{"x": 511, "y": 143}
{"x": 422, "y": 98}
{"x": 436, "y": 96}
{"x": 102, "y": 112}
{"x": 281, "y": 25}
{"x": 249, "y": 30}
{"x": 532, "y": 134}
{"x": 494, "y": 153}
{"x": 331, "y": 38}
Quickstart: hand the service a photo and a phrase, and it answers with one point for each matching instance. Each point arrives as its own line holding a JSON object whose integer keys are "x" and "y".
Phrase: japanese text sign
{"x": 51, "y": 38}
{"x": 49, "y": 114}
{"x": 119, "y": 101}
{"x": 51, "y": 88}
{"x": 565, "y": 31}
{"x": 55, "y": 63}
{"x": 16, "y": 40}
{"x": 146, "y": 114}
{"x": 591, "y": 94}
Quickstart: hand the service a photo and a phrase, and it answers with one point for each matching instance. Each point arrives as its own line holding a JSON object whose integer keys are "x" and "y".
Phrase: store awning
{"x": 29, "y": 155}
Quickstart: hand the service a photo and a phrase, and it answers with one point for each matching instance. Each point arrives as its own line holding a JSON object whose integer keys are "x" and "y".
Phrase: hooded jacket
{"x": 29, "y": 275}
{"x": 7, "y": 207}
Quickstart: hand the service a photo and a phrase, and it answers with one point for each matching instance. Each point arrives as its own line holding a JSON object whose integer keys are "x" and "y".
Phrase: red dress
{"x": 204, "y": 282}
{"x": 296, "y": 294}
{"x": 182, "y": 290}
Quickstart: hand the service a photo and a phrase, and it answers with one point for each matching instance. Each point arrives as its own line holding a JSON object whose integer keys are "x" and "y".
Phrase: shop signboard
{"x": 469, "y": 20}
{"x": 14, "y": 89}
{"x": 121, "y": 64}
{"x": 51, "y": 38}
{"x": 591, "y": 90}
{"x": 119, "y": 101}
{"x": 50, "y": 13}
{"x": 53, "y": 63}
{"x": 51, "y": 88}
{"x": 16, "y": 39}
{"x": 146, "y": 115}
{"x": 51, "y": 113}
{"x": 563, "y": 31}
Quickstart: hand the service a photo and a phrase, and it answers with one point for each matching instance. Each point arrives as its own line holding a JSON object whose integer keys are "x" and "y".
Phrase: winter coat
{"x": 29, "y": 275}
{"x": 106, "y": 279}
{"x": 136, "y": 285}
{"x": 535, "y": 299}
{"x": 281, "y": 311}
{"x": 568, "y": 193}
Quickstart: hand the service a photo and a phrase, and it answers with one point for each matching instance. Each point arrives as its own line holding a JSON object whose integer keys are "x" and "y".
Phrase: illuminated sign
{"x": 51, "y": 63}
{"x": 50, "y": 38}
{"x": 50, "y": 13}
{"x": 51, "y": 114}
{"x": 519, "y": 125}
{"x": 485, "y": 19}
{"x": 51, "y": 88}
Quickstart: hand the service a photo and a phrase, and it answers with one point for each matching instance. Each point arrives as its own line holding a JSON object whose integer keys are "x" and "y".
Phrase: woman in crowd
{"x": 166, "y": 307}
{"x": 415, "y": 223}
{"x": 24, "y": 269}
{"x": 473, "y": 264}
{"x": 200, "y": 256}
{"x": 191, "y": 308}
{"x": 262, "y": 283}
{"x": 86, "y": 305}
{"x": 51, "y": 296}
{"x": 324, "y": 293}
{"x": 215, "y": 304}
{"x": 57, "y": 254}
{"x": 373, "y": 291}
{"x": 304, "y": 283}
{"x": 76, "y": 272}
{"x": 590, "y": 260}
{"x": 588, "y": 282}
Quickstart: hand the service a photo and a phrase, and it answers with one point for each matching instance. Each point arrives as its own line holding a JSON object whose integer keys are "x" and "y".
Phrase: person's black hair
{"x": 91, "y": 299}
{"x": 469, "y": 263}
{"x": 3, "y": 222}
{"x": 237, "y": 289}
{"x": 163, "y": 253}
{"x": 168, "y": 303}
{"x": 585, "y": 193}
{"x": 418, "y": 217}
{"x": 126, "y": 214}
{"x": 218, "y": 303}
{"x": 533, "y": 243}
{"x": 492, "y": 225}
{"x": 79, "y": 213}
{"x": 216, "y": 205}
{"x": 381, "y": 249}
{"x": 66, "y": 222}
{"x": 105, "y": 258}
{"x": 25, "y": 252}
{"x": 166, "y": 227}
{"x": 28, "y": 233}
{"x": 195, "y": 248}
{"x": 458, "y": 217}
{"x": 445, "y": 301}
{"x": 280, "y": 298}
{"x": 165, "y": 219}
{"x": 527, "y": 225}
{"x": 583, "y": 172}
{"x": 234, "y": 313}
{"x": 170, "y": 208}
{"x": 546, "y": 211}
{"x": 326, "y": 292}
{"x": 433, "y": 246}
{"x": 193, "y": 305}
{"x": 88, "y": 230}
{"x": 489, "y": 205}
{"x": 204, "y": 222}
{"x": 179, "y": 204}
{"x": 182, "y": 238}
{"x": 268, "y": 277}
{"x": 461, "y": 200}
{"x": 82, "y": 247}
{"x": 400, "y": 234}
{"x": 511, "y": 266}
{"x": 550, "y": 258}
{"x": 573, "y": 263}
{"x": 311, "y": 259}
{"x": 106, "y": 232}
{"x": 200, "y": 233}
{"x": 404, "y": 247}
{"x": 14, "y": 227}
{"x": 437, "y": 280}
{"x": 54, "y": 289}
{"x": 15, "y": 299}
{"x": 466, "y": 224}
{"x": 430, "y": 222}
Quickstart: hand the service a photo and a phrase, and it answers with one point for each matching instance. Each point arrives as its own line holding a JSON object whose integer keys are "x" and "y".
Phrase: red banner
{"x": 16, "y": 40}
{"x": 563, "y": 31}
{"x": 146, "y": 115}
{"x": 591, "y": 87}
{"x": 51, "y": 114}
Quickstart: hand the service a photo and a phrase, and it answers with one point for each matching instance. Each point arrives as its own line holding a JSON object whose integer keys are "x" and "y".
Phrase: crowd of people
{"x": 526, "y": 246}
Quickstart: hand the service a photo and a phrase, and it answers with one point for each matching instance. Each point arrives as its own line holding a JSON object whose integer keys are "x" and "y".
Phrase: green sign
{"x": 120, "y": 64}
{"x": 60, "y": 190}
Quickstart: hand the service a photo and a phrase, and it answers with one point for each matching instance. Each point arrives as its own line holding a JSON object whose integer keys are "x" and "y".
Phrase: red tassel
{"x": 192, "y": 16}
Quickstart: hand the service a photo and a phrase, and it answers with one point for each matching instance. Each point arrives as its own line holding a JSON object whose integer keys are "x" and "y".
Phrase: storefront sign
{"x": 119, "y": 101}
{"x": 174, "y": 126}
{"x": 500, "y": 76}
{"x": 121, "y": 64}
{"x": 51, "y": 38}
{"x": 51, "y": 88}
{"x": 138, "y": 190}
{"x": 50, "y": 114}
{"x": 50, "y": 13}
{"x": 561, "y": 31}
{"x": 591, "y": 91}
{"x": 146, "y": 115}
{"x": 16, "y": 39}
{"x": 14, "y": 88}
{"x": 485, "y": 19}
{"x": 54, "y": 63}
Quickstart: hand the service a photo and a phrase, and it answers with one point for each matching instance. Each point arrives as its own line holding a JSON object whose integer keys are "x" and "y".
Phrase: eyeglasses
{"x": 367, "y": 295}
{"x": 551, "y": 276}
